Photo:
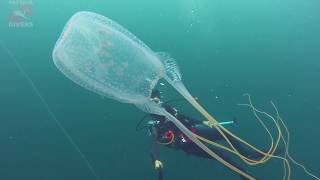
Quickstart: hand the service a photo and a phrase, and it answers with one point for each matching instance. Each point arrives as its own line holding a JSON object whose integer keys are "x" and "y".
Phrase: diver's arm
{"x": 158, "y": 166}
{"x": 154, "y": 144}
{"x": 154, "y": 153}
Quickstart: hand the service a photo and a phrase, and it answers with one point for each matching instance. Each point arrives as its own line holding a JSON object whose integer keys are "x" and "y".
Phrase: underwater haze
{"x": 52, "y": 129}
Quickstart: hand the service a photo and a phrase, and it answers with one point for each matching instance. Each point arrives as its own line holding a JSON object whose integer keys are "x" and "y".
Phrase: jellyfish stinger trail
{"x": 48, "y": 109}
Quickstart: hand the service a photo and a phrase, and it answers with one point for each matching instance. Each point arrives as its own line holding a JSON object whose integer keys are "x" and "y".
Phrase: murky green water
{"x": 268, "y": 48}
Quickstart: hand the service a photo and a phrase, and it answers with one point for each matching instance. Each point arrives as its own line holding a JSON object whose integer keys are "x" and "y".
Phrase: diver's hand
{"x": 158, "y": 164}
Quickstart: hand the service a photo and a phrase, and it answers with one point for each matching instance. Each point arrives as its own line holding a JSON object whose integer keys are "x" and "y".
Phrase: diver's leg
{"x": 238, "y": 146}
{"x": 252, "y": 154}
{"x": 196, "y": 151}
{"x": 214, "y": 135}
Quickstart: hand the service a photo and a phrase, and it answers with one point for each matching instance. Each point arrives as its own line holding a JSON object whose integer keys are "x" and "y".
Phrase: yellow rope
{"x": 167, "y": 143}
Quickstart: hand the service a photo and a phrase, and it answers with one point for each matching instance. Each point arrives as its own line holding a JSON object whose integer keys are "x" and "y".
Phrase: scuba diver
{"x": 163, "y": 131}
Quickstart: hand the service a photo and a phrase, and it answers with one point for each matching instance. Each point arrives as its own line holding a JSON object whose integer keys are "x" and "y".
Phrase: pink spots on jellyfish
{"x": 110, "y": 64}
{"x": 104, "y": 37}
{"x": 104, "y": 44}
{"x": 103, "y": 32}
{"x": 121, "y": 68}
{"x": 119, "y": 71}
{"x": 89, "y": 66}
{"x": 103, "y": 55}
{"x": 103, "y": 50}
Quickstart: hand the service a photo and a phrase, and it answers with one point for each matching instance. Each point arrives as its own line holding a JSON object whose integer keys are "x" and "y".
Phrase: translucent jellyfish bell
{"x": 102, "y": 56}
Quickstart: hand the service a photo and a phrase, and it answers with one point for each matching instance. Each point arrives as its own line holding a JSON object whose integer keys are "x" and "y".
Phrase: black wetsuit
{"x": 165, "y": 132}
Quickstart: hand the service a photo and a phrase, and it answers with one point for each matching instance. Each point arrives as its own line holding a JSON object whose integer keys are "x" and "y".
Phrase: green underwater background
{"x": 224, "y": 48}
